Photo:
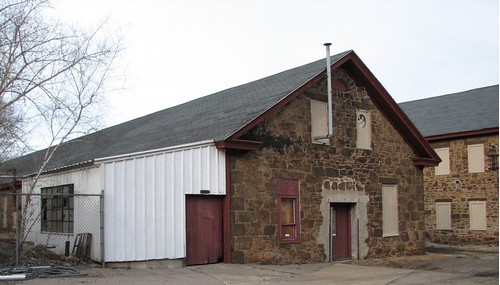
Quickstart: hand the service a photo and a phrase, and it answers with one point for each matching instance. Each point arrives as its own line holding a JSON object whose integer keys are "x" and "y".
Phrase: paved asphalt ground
{"x": 440, "y": 266}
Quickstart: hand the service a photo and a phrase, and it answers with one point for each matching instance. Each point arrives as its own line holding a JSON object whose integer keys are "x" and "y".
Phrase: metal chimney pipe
{"x": 329, "y": 84}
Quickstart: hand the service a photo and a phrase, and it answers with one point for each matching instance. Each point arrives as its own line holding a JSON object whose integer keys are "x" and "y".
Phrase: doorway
{"x": 340, "y": 231}
{"x": 204, "y": 235}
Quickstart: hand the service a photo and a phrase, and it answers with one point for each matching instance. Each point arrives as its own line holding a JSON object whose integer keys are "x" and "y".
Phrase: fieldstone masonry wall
{"x": 338, "y": 172}
{"x": 460, "y": 187}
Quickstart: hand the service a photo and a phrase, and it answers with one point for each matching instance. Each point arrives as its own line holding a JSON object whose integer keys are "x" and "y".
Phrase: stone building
{"x": 253, "y": 174}
{"x": 358, "y": 194}
{"x": 461, "y": 194}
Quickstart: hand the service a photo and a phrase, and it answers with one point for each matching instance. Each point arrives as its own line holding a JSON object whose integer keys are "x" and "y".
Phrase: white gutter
{"x": 148, "y": 152}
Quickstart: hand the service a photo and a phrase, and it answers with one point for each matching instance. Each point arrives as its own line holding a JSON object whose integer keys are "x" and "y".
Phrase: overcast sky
{"x": 177, "y": 51}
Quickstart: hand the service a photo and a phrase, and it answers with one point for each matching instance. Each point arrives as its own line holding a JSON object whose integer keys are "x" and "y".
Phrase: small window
{"x": 476, "y": 158}
{"x": 319, "y": 122}
{"x": 57, "y": 208}
{"x": 390, "y": 221}
{"x": 444, "y": 166}
{"x": 363, "y": 130}
{"x": 443, "y": 216}
{"x": 477, "y": 214}
{"x": 288, "y": 211}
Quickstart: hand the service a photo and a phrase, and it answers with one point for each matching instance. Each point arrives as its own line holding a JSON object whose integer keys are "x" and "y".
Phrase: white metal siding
{"x": 145, "y": 200}
{"x": 86, "y": 209}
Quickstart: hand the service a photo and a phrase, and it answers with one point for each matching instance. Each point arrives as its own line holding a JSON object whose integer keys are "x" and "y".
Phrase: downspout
{"x": 227, "y": 211}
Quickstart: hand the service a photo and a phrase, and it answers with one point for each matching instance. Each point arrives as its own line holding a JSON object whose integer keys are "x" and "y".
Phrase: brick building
{"x": 461, "y": 194}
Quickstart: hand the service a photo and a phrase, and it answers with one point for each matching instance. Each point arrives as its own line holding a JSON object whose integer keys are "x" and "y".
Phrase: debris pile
{"x": 31, "y": 255}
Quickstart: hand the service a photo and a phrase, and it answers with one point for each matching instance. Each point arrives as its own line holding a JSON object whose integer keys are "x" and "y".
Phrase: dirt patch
{"x": 34, "y": 256}
{"x": 402, "y": 262}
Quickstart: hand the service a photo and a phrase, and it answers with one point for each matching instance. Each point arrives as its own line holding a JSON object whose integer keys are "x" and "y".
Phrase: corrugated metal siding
{"x": 145, "y": 200}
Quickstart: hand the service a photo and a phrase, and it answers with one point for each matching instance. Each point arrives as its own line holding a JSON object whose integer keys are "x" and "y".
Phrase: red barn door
{"x": 204, "y": 236}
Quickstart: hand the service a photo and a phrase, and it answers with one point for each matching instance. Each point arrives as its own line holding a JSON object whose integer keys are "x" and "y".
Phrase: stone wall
{"x": 460, "y": 187}
{"x": 338, "y": 172}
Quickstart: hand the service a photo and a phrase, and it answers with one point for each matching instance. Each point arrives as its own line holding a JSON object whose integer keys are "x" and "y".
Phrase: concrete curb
{"x": 473, "y": 248}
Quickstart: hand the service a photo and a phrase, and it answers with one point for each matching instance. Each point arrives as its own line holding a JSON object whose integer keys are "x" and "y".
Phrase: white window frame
{"x": 477, "y": 215}
{"x": 390, "y": 210}
{"x": 475, "y": 158}
{"x": 363, "y": 129}
{"x": 319, "y": 122}
{"x": 444, "y": 166}
{"x": 443, "y": 215}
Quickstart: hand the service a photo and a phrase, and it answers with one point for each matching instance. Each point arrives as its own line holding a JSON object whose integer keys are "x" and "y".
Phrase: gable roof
{"x": 222, "y": 117}
{"x": 471, "y": 112}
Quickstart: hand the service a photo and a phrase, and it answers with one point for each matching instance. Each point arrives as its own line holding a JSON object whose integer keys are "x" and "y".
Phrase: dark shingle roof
{"x": 471, "y": 110}
{"x": 213, "y": 117}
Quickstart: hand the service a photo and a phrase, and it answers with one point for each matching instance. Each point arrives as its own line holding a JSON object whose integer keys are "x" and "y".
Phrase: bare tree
{"x": 51, "y": 75}
{"x": 52, "y": 80}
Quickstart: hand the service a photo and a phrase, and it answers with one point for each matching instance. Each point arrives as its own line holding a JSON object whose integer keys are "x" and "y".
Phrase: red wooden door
{"x": 203, "y": 229}
{"x": 341, "y": 231}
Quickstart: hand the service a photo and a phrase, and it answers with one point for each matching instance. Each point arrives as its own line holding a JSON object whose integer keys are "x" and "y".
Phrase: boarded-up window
{"x": 444, "y": 167}
{"x": 363, "y": 130}
{"x": 288, "y": 211}
{"x": 319, "y": 122}
{"x": 390, "y": 221}
{"x": 443, "y": 216}
{"x": 476, "y": 158}
{"x": 477, "y": 213}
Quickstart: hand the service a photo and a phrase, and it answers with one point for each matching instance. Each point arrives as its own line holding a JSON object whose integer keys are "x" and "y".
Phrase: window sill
{"x": 390, "y": 235}
{"x": 320, "y": 143}
{"x": 288, "y": 241}
{"x": 57, "y": 233}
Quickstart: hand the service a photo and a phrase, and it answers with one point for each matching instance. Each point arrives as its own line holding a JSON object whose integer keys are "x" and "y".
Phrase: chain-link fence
{"x": 50, "y": 227}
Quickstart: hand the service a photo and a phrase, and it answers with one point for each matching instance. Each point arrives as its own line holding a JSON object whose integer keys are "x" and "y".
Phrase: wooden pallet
{"x": 81, "y": 246}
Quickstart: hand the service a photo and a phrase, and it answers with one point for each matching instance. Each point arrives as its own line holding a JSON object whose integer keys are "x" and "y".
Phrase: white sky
{"x": 179, "y": 50}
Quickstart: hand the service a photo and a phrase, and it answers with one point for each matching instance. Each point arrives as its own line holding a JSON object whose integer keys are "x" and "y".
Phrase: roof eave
{"x": 464, "y": 134}
{"x": 391, "y": 110}
{"x": 236, "y": 144}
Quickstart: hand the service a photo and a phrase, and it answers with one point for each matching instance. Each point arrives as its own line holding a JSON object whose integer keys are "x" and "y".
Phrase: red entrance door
{"x": 340, "y": 215}
{"x": 203, "y": 229}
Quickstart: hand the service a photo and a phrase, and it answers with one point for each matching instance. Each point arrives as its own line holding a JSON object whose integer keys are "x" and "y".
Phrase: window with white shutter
{"x": 444, "y": 166}
{"x": 477, "y": 214}
{"x": 476, "y": 158}
{"x": 443, "y": 215}
{"x": 390, "y": 220}
{"x": 319, "y": 122}
{"x": 363, "y": 129}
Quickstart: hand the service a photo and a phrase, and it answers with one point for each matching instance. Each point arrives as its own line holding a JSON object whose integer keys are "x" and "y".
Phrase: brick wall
{"x": 459, "y": 188}
{"x": 333, "y": 173}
